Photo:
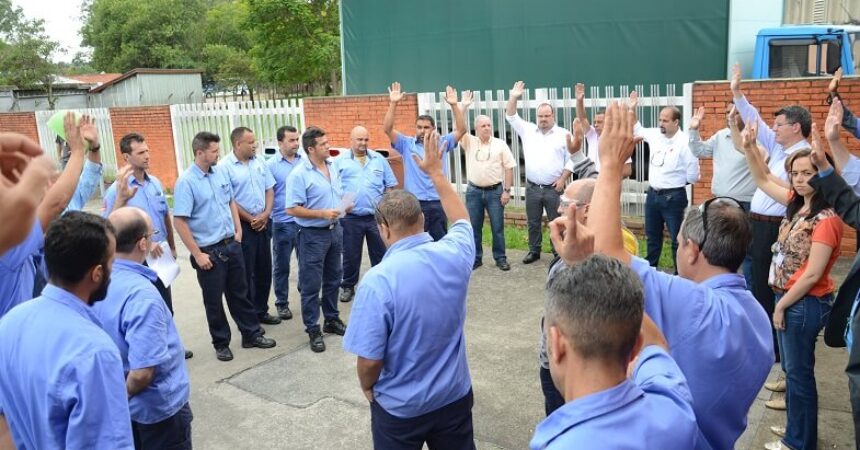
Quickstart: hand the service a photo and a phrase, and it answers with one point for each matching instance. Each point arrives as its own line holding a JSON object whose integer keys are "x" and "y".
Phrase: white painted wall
{"x": 745, "y": 19}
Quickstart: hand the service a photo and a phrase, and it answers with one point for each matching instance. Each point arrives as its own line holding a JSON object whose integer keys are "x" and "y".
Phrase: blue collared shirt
{"x": 91, "y": 176}
{"x": 149, "y": 197}
{"x": 17, "y": 270}
{"x": 367, "y": 182}
{"x": 308, "y": 187}
{"x": 409, "y": 313}
{"x": 138, "y": 321}
{"x": 716, "y": 331}
{"x": 250, "y": 182}
{"x": 416, "y": 181}
{"x": 281, "y": 168}
{"x": 651, "y": 411}
{"x": 204, "y": 200}
{"x": 63, "y": 385}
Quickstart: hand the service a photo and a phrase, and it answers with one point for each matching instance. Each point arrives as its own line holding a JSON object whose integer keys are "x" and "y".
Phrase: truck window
{"x": 793, "y": 58}
{"x": 855, "y": 50}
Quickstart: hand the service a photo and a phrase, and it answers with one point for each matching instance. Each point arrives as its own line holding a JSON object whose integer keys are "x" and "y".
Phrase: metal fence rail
{"x": 264, "y": 117}
{"x": 492, "y": 104}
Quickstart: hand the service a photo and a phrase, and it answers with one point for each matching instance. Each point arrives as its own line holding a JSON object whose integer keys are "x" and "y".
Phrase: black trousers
{"x": 539, "y": 199}
{"x": 257, "y": 250}
{"x": 764, "y": 234}
{"x": 447, "y": 428}
{"x": 552, "y": 398}
{"x": 173, "y": 433}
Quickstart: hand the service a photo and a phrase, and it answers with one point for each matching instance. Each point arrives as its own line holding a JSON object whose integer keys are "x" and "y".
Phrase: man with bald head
{"x": 368, "y": 175}
{"x": 490, "y": 170}
{"x": 138, "y": 321}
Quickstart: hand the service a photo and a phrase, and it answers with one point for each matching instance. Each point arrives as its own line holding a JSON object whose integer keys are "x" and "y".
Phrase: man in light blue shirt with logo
{"x": 367, "y": 175}
{"x": 134, "y": 315}
{"x": 407, "y": 322}
{"x": 63, "y": 383}
{"x": 252, "y": 188}
{"x": 415, "y": 180}
{"x": 284, "y": 228}
{"x": 314, "y": 195}
{"x": 207, "y": 221}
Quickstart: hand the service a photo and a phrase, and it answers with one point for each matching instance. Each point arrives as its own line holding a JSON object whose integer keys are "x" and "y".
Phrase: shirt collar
{"x": 195, "y": 169}
{"x": 310, "y": 165}
{"x": 69, "y": 300}
{"x": 407, "y": 243}
{"x": 296, "y": 158}
{"x": 369, "y": 154}
{"x": 797, "y": 146}
{"x": 133, "y": 180}
{"x": 584, "y": 409}
{"x": 127, "y": 265}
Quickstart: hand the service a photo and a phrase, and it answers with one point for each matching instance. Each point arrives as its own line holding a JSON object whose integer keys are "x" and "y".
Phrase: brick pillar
{"x": 21, "y": 123}
{"x": 154, "y": 123}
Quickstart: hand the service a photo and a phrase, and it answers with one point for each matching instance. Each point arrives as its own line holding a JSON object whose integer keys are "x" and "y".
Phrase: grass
{"x": 518, "y": 238}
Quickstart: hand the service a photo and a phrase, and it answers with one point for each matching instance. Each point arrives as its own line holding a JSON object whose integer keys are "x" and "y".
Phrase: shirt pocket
{"x": 222, "y": 193}
{"x": 161, "y": 204}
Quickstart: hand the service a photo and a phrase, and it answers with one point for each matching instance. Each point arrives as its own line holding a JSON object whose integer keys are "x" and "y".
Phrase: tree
{"x": 296, "y": 41}
{"x": 25, "y": 52}
{"x": 226, "y": 45}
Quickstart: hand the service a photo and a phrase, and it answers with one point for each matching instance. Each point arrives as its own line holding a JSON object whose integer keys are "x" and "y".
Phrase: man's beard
{"x": 663, "y": 130}
{"x": 100, "y": 293}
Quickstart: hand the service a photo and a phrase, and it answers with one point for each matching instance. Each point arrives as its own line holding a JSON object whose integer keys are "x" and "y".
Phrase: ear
{"x": 97, "y": 274}
{"x": 556, "y": 348}
{"x": 637, "y": 347}
{"x": 694, "y": 252}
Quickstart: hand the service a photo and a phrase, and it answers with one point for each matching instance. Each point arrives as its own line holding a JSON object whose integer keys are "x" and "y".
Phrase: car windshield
{"x": 804, "y": 57}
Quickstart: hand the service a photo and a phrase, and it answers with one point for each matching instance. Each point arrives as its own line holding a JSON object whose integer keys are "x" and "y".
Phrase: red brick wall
{"x": 22, "y": 123}
{"x": 338, "y": 115}
{"x": 768, "y": 96}
{"x": 153, "y": 122}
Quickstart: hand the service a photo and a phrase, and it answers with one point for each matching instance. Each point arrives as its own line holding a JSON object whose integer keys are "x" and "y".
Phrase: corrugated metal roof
{"x": 142, "y": 71}
{"x": 95, "y": 78}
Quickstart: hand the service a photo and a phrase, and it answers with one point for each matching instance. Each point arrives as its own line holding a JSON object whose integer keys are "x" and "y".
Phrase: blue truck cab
{"x": 794, "y": 51}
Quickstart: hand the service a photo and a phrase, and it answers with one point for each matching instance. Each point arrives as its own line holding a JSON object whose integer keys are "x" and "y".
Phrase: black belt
{"x": 667, "y": 191}
{"x": 542, "y": 186}
{"x": 763, "y": 218}
{"x": 222, "y": 243}
{"x": 485, "y": 188}
{"x": 329, "y": 227}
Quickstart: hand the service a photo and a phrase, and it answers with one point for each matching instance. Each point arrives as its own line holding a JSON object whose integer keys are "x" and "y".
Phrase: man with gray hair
{"x": 715, "y": 329}
{"x": 490, "y": 170}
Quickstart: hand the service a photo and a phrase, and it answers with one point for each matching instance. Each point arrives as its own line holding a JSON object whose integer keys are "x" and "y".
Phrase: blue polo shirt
{"x": 368, "y": 182}
{"x": 63, "y": 384}
{"x": 281, "y": 168}
{"x": 149, "y": 197}
{"x": 250, "y": 182}
{"x": 308, "y": 187}
{"x": 134, "y": 315}
{"x": 716, "y": 331}
{"x": 17, "y": 270}
{"x": 203, "y": 199}
{"x": 88, "y": 183}
{"x": 650, "y": 411}
{"x": 416, "y": 181}
{"x": 409, "y": 312}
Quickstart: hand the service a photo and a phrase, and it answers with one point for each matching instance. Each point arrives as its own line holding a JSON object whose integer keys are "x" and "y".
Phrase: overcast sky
{"x": 62, "y": 22}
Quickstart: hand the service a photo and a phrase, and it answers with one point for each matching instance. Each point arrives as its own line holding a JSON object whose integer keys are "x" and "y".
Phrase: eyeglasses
{"x": 777, "y": 125}
{"x": 565, "y": 203}
{"x": 662, "y": 155}
{"x": 153, "y": 234}
{"x": 703, "y": 210}
{"x": 380, "y": 218}
{"x": 478, "y": 152}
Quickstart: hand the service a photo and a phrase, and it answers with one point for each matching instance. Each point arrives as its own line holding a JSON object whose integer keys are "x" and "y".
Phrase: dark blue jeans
{"x": 173, "y": 433}
{"x": 803, "y": 321}
{"x": 284, "y": 240}
{"x": 257, "y": 250}
{"x": 227, "y": 278}
{"x": 552, "y": 398}
{"x": 666, "y": 207}
{"x": 746, "y": 267}
{"x": 320, "y": 268}
{"x": 447, "y": 428}
{"x": 478, "y": 200}
{"x": 538, "y": 200}
{"x": 355, "y": 230}
{"x": 435, "y": 220}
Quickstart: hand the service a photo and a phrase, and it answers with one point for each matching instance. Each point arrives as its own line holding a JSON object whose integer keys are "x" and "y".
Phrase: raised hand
{"x": 451, "y": 96}
{"x": 579, "y": 91}
{"x": 617, "y": 141}
{"x": 73, "y": 133}
{"x": 89, "y": 131}
{"x": 432, "y": 161}
{"x": 574, "y": 140}
{"x": 735, "y": 83}
{"x": 571, "y": 239}
{"x": 696, "y": 120}
{"x": 466, "y": 99}
{"x": 817, "y": 156}
{"x": 633, "y": 101}
{"x": 124, "y": 192}
{"x": 834, "y": 83}
{"x": 394, "y": 93}
{"x": 834, "y": 120}
{"x": 518, "y": 89}
{"x": 749, "y": 136}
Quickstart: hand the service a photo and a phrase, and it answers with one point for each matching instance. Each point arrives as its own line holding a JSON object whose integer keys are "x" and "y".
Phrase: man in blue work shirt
{"x": 134, "y": 315}
{"x": 716, "y": 331}
{"x": 252, "y": 184}
{"x": 284, "y": 228}
{"x": 63, "y": 383}
{"x": 415, "y": 180}
{"x": 313, "y": 198}
{"x": 407, "y": 322}
{"x": 207, "y": 221}
{"x": 367, "y": 175}
{"x": 21, "y": 265}
{"x": 589, "y": 365}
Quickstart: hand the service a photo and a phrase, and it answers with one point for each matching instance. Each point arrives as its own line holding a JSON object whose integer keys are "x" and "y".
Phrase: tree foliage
{"x": 25, "y": 51}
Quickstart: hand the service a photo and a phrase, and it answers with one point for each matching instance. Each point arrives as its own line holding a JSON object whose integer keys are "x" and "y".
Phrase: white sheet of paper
{"x": 165, "y": 266}
{"x": 346, "y": 202}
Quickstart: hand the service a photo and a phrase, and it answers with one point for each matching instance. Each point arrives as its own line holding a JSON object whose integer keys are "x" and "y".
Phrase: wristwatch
{"x": 508, "y": 190}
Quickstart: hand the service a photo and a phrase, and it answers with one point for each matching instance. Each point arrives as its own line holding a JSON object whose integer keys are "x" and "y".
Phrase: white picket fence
{"x": 264, "y": 117}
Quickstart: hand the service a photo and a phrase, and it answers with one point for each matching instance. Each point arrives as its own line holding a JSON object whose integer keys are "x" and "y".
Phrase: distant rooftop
{"x": 95, "y": 78}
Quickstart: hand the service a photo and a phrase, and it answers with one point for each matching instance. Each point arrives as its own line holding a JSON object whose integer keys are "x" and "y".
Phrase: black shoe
{"x": 269, "y": 319}
{"x": 346, "y": 294}
{"x": 316, "y": 339}
{"x": 262, "y": 331}
{"x": 477, "y": 263}
{"x": 284, "y": 312}
{"x": 531, "y": 257}
{"x": 503, "y": 264}
{"x": 224, "y": 354}
{"x": 259, "y": 342}
{"x": 189, "y": 354}
{"x": 334, "y": 326}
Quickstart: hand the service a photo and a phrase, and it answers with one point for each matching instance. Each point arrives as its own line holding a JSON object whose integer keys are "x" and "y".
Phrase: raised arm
{"x": 515, "y": 95}
{"x": 579, "y": 90}
{"x": 758, "y": 169}
{"x": 841, "y": 155}
{"x": 459, "y": 115}
{"x": 61, "y": 192}
{"x": 431, "y": 164}
{"x": 748, "y": 112}
{"x": 394, "y": 97}
{"x": 24, "y": 180}
{"x": 700, "y": 148}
